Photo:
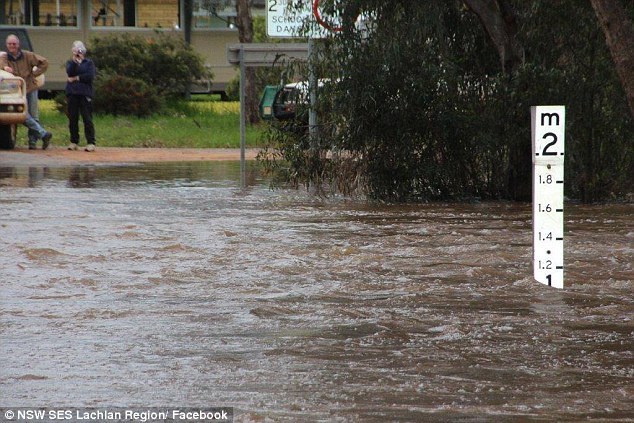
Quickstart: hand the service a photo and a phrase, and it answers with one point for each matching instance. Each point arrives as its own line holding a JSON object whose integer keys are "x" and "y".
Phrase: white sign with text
{"x": 548, "y": 129}
{"x": 292, "y": 19}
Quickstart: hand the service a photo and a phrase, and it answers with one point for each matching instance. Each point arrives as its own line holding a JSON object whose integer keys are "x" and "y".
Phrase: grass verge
{"x": 192, "y": 124}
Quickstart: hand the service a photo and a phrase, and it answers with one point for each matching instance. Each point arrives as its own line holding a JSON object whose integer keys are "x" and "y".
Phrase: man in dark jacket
{"x": 79, "y": 94}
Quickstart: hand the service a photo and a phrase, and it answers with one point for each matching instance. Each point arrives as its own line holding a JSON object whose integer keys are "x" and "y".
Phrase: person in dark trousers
{"x": 28, "y": 66}
{"x": 79, "y": 94}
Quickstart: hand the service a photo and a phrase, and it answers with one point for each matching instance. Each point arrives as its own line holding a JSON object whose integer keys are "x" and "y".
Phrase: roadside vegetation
{"x": 432, "y": 102}
{"x": 202, "y": 122}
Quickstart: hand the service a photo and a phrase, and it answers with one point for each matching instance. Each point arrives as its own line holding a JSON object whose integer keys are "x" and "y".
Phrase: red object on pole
{"x": 320, "y": 21}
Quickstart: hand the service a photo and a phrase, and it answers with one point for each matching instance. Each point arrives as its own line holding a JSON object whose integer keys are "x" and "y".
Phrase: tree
{"x": 433, "y": 102}
{"x": 500, "y": 22}
{"x": 187, "y": 31}
{"x": 244, "y": 21}
{"x": 619, "y": 36}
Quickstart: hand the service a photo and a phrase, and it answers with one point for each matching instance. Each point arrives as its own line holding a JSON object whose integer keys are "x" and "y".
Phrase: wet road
{"x": 168, "y": 285}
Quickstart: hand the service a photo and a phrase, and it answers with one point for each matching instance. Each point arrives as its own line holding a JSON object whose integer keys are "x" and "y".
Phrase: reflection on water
{"x": 167, "y": 284}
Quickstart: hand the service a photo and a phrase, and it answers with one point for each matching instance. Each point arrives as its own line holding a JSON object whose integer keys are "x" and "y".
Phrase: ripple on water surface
{"x": 165, "y": 285}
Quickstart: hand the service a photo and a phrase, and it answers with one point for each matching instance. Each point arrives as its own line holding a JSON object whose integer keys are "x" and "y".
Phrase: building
{"x": 53, "y": 25}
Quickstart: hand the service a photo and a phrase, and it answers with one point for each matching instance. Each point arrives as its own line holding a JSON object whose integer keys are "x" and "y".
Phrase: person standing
{"x": 28, "y": 66}
{"x": 79, "y": 94}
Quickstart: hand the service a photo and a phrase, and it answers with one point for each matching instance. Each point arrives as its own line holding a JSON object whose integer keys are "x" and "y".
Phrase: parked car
{"x": 288, "y": 99}
{"x": 290, "y": 102}
{"x": 13, "y": 108}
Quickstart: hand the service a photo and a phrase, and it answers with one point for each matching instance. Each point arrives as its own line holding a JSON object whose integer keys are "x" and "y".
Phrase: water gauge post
{"x": 548, "y": 131}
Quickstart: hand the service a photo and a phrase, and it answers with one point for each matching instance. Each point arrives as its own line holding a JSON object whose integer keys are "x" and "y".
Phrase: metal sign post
{"x": 247, "y": 55}
{"x": 286, "y": 20}
{"x": 548, "y": 131}
{"x": 313, "y": 86}
{"x": 243, "y": 125}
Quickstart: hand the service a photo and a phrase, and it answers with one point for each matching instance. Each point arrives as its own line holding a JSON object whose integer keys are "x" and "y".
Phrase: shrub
{"x": 61, "y": 105}
{"x": 134, "y": 73}
{"x": 121, "y": 95}
{"x": 164, "y": 61}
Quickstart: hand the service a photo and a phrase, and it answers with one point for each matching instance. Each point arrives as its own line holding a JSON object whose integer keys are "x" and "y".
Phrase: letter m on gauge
{"x": 548, "y": 132}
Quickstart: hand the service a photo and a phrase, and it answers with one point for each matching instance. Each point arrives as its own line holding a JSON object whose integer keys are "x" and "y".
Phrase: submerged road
{"x": 171, "y": 285}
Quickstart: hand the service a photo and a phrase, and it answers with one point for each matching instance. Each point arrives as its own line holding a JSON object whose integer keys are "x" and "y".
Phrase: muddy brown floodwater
{"x": 154, "y": 285}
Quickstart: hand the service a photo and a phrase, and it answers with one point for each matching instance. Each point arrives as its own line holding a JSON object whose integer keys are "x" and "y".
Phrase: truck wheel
{"x": 7, "y": 137}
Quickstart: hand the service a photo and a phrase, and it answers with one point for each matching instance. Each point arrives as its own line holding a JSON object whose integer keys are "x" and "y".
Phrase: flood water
{"x": 170, "y": 285}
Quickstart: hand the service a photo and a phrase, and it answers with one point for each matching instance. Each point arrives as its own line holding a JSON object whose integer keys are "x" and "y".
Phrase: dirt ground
{"x": 61, "y": 156}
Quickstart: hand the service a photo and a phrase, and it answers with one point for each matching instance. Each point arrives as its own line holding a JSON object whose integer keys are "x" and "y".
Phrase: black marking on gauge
{"x": 559, "y": 267}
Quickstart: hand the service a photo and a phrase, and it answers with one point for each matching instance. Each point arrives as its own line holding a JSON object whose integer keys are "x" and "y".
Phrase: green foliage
{"x": 121, "y": 95}
{"x": 421, "y": 109}
{"x": 61, "y": 105}
{"x": 164, "y": 61}
{"x": 233, "y": 89}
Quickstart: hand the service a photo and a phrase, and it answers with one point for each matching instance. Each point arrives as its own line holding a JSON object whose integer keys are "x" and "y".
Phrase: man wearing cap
{"x": 28, "y": 66}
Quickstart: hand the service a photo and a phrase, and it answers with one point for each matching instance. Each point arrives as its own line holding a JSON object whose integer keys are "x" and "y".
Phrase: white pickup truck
{"x": 13, "y": 108}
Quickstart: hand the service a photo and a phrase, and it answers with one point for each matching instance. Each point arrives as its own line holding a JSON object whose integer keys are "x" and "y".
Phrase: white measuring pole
{"x": 548, "y": 130}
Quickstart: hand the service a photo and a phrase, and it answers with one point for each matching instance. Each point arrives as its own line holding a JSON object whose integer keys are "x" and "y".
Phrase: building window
{"x": 214, "y": 14}
{"x": 136, "y": 13}
{"x": 113, "y": 13}
{"x": 122, "y": 13}
{"x": 39, "y": 12}
{"x": 162, "y": 13}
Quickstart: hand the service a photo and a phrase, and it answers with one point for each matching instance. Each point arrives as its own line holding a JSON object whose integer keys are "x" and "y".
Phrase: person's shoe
{"x": 46, "y": 140}
{"x": 32, "y": 146}
{"x": 73, "y": 146}
{"x": 90, "y": 147}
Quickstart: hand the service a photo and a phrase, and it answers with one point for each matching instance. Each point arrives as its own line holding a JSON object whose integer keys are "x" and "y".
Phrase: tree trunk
{"x": 244, "y": 22}
{"x": 500, "y": 22}
{"x": 188, "y": 11}
{"x": 187, "y": 31}
{"x": 619, "y": 36}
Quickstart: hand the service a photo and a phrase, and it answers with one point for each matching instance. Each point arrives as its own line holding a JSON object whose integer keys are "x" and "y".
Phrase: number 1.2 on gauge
{"x": 548, "y": 130}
